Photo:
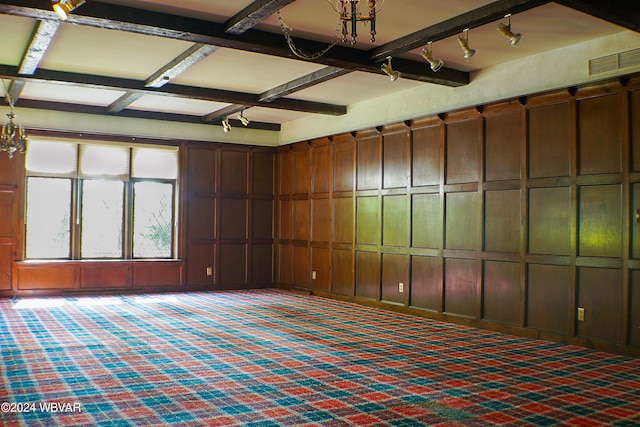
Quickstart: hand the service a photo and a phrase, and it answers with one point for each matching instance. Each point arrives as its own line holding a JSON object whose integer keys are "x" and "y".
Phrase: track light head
{"x": 505, "y": 30}
{"x": 64, "y": 7}
{"x": 463, "y": 41}
{"x": 436, "y": 63}
{"x": 245, "y": 121}
{"x": 389, "y": 71}
{"x": 226, "y": 127}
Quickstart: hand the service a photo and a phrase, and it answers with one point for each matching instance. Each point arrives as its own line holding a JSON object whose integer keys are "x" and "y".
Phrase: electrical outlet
{"x": 400, "y": 287}
{"x": 313, "y": 275}
{"x": 581, "y": 314}
{"x": 209, "y": 271}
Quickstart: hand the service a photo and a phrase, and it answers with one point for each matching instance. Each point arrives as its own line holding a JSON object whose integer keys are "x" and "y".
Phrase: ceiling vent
{"x": 616, "y": 61}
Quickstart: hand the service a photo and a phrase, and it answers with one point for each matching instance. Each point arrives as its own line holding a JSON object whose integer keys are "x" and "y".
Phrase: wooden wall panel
{"x": 343, "y": 220}
{"x": 634, "y": 105}
{"x": 262, "y": 176}
{"x": 233, "y": 264}
{"x": 395, "y": 270}
{"x": 262, "y": 219}
{"x": 502, "y": 221}
{"x": 105, "y": 276}
{"x": 200, "y": 256}
{"x": 394, "y": 215}
{"x": 600, "y": 139}
{"x": 285, "y": 172}
{"x": 233, "y": 172}
{"x": 157, "y": 274}
{"x": 6, "y": 209}
{"x": 201, "y": 171}
{"x": 394, "y": 160}
{"x": 548, "y": 298}
{"x": 550, "y": 221}
{"x": 368, "y": 221}
{"x": 635, "y": 222}
{"x": 462, "y": 151}
{"x": 261, "y": 264}
{"x": 634, "y": 321}
{"x": 233, "y": 218}
{"x": 321, "y": 264}
{"x": 321, "y": 220}
{"x": 461, "y": 287}
{"x": 8, "y": 168}
{"x": 425, "y": 165}
{"x": 502, "y": 296}
{"x": 343, "y": 165}
{"x": 342, "y": 272}
{"x": 284, "y": 228}
{"x": 461, "y": 221}
{"x": 600, "y": 221}
{"x": 368, "y": 275}
{"x": 600, "y": 294}
{"x": 301, "y": 170}
{"x": 284, "y": 265}
{"x": 321, "y": 170}
{"x": 503, "y": 142}
{"x": 301, "y": 220}
{"x": 47, "y": 277}
{"x": 426, "y": 223}
{"x": 426, "y": 283}
{"x": 201, "y": 216}
{"x": 368, "y": 166}
{"x": 301, "y": 270}
{"x": 550, "y": 140}
{"x": 6, "y": 260}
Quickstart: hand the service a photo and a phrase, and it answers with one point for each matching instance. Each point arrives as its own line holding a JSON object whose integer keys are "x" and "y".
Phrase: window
{"x": 100, "y": 201}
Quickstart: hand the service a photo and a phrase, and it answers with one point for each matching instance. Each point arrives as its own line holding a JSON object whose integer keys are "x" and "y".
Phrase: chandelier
{"x": 349, "y": 14}
{"x": 13, "y": 138}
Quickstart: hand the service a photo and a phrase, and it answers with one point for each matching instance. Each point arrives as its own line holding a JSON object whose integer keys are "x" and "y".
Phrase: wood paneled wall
{"x": 229, "y": 216}
{"x": 508, "y": 216}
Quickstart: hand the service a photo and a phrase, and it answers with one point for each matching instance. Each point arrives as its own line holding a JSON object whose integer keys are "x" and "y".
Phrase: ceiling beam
{"x": 124, "y": 101}
{"x": 115, "y": 17}
{"x": 620, "y": 12}
{"x": 311, "y": 79}
{"x": 180, "y": 64}
{"x": 224, "y": 112}
{"x": 253, "y": 14}
{"x": 179, "y": 91}
{"x": 483, "y": 15}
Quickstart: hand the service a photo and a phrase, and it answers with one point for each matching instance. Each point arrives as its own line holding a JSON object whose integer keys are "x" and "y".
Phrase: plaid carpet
{"x": 273, "y": 358}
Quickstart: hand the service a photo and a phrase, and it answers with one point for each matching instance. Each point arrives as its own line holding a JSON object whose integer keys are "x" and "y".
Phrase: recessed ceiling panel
{"x": 112, "y": 53}
{"x": 69, "y": 94}
{"x": 15, "y": 33}
{"x": 168, "y": 104}
{"x": 244, "y": 71}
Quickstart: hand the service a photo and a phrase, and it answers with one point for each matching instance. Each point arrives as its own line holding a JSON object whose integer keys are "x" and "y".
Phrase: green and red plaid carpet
{"x": 273, "y": 358}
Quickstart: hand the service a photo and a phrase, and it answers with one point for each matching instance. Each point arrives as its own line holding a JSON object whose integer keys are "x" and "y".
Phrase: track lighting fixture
{"x": 389, "y": 71}
{"x": 463, "y": 41}
{"x": 505, "y": 30}
{"x": 226, "y": 127}
{"x": 245, "y": 121}
{"x": 435, "y": 63}
{"x": 64, "y": 7}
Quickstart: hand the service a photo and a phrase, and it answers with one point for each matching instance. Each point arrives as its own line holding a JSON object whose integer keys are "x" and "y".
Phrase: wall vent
{"x": 614, "y": 61}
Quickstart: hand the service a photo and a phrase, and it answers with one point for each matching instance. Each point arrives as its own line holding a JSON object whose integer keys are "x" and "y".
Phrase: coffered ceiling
{"x": 198, "y": 61}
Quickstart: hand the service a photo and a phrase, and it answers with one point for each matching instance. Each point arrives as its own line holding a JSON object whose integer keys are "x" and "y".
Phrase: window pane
{"x": 104, "y": 161}
{"x": 52, "y": 158}
{"x": 102, "y": 210}
{"x": 160, "y": 163}
{"x": 152, "y": 219}
{"x": 48, "y": 217}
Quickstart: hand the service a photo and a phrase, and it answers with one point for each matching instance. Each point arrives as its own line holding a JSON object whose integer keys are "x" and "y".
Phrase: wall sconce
{"x": 389, "y": 71}
{"x": 435, "y": 63}
{"x": 64, "y": 7}
{"x": 463, "y": 41}
{"x": 505, "y": 30}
